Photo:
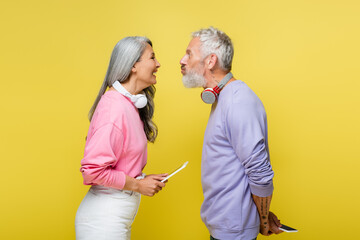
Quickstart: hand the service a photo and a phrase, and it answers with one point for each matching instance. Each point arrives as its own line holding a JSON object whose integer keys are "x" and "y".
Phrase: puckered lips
{"x": 183, "y": 70}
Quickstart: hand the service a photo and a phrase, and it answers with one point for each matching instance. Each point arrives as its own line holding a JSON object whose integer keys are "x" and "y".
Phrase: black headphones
{"x": 210, "y": 95}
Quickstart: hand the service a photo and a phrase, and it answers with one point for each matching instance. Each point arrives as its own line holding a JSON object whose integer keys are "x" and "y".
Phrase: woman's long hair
{"x": 125, "y": 54}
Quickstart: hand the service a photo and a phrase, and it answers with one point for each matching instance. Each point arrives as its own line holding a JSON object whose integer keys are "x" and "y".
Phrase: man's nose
{"x": 183, "y": 60}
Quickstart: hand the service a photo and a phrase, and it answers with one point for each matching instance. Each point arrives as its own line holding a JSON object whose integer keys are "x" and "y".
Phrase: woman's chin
{"x": 153, "y": 80}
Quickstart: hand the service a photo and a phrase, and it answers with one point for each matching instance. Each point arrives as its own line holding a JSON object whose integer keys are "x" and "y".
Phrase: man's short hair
{"x": 214, "y": 41}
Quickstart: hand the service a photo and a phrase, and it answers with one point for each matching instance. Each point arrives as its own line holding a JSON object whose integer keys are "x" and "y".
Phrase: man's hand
{"x": 270, "y": 225}
{"x": 274, "y": 223}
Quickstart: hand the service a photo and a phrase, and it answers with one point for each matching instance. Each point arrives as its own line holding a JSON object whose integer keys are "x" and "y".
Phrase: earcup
{"x": 209, "y": 96}
{"x": 139, "y": 100}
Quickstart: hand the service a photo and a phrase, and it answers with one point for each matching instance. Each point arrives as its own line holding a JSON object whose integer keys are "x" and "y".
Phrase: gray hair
{"x": 214, "y": 41}
{"x": 124, "y": 55}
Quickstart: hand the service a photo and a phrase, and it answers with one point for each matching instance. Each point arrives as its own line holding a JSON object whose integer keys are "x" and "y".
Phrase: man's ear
{"x": 211, "y": 61}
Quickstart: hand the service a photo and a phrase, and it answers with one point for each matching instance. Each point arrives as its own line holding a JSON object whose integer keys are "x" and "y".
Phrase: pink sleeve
{"x": 102, "y": 152}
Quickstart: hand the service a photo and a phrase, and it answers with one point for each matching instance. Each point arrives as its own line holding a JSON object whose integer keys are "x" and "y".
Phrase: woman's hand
{"x": 151, "y": 184}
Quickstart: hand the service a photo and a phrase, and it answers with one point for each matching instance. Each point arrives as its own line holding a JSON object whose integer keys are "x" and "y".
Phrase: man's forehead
{"x": 194, "y": 44}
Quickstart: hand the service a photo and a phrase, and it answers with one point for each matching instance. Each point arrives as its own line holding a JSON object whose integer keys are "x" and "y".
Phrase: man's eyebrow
{"x": 188, "y": 51}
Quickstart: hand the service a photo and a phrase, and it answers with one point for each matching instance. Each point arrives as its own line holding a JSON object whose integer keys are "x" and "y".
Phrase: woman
{"x": 116, "y": 145}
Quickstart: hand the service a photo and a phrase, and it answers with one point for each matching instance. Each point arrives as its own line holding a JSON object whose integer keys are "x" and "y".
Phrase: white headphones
{"x": 210, "y": 95}
{"x": 139, "y": 100}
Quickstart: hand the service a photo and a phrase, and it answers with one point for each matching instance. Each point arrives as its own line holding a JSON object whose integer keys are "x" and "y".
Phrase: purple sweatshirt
{"x": 235, "y": 164}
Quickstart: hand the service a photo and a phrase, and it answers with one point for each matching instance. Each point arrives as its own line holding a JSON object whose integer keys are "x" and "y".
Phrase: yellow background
{"x": 300, "y": 57}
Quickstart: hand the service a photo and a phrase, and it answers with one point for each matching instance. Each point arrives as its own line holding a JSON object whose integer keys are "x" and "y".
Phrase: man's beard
{"x": 192, "y": 79}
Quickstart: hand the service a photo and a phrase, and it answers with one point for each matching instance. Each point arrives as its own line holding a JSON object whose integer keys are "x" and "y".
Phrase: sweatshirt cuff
{"x": 261, "y": 190}
{"x": 119, "y": 180}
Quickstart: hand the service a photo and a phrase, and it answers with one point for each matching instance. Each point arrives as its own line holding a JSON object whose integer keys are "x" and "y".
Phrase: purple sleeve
{"x": 247, "y": 131}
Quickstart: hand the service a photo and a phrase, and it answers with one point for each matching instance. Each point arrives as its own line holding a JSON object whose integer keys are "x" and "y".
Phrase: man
{"x": 236, "y": 174}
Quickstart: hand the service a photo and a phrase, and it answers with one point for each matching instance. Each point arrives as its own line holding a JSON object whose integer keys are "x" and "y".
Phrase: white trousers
{"x": 106, "y": 214}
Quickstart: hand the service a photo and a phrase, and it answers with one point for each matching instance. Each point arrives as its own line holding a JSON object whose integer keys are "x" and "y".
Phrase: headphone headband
{"x": 224, "y": 81}
{"x": 139, "y": 100}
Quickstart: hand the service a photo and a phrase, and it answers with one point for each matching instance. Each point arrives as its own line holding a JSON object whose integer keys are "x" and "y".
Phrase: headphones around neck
{"x": 139, "y": 100}
{"x": 210, "y": 95}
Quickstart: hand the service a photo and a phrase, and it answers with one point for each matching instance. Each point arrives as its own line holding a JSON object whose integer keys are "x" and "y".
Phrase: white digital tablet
{"x": 287, "y": 228}
{"x": 176, "y": 171}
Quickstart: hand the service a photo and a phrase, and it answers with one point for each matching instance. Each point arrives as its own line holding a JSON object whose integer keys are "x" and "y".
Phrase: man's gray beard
{"x": 193, "y": 80}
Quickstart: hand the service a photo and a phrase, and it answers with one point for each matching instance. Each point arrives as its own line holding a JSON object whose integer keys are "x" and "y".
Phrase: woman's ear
{"x": 133, "y": 69}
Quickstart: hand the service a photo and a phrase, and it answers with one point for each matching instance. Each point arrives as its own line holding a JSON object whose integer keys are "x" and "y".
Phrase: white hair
{"x": 125, "y": 54}
{"x": 214, "y": 41}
